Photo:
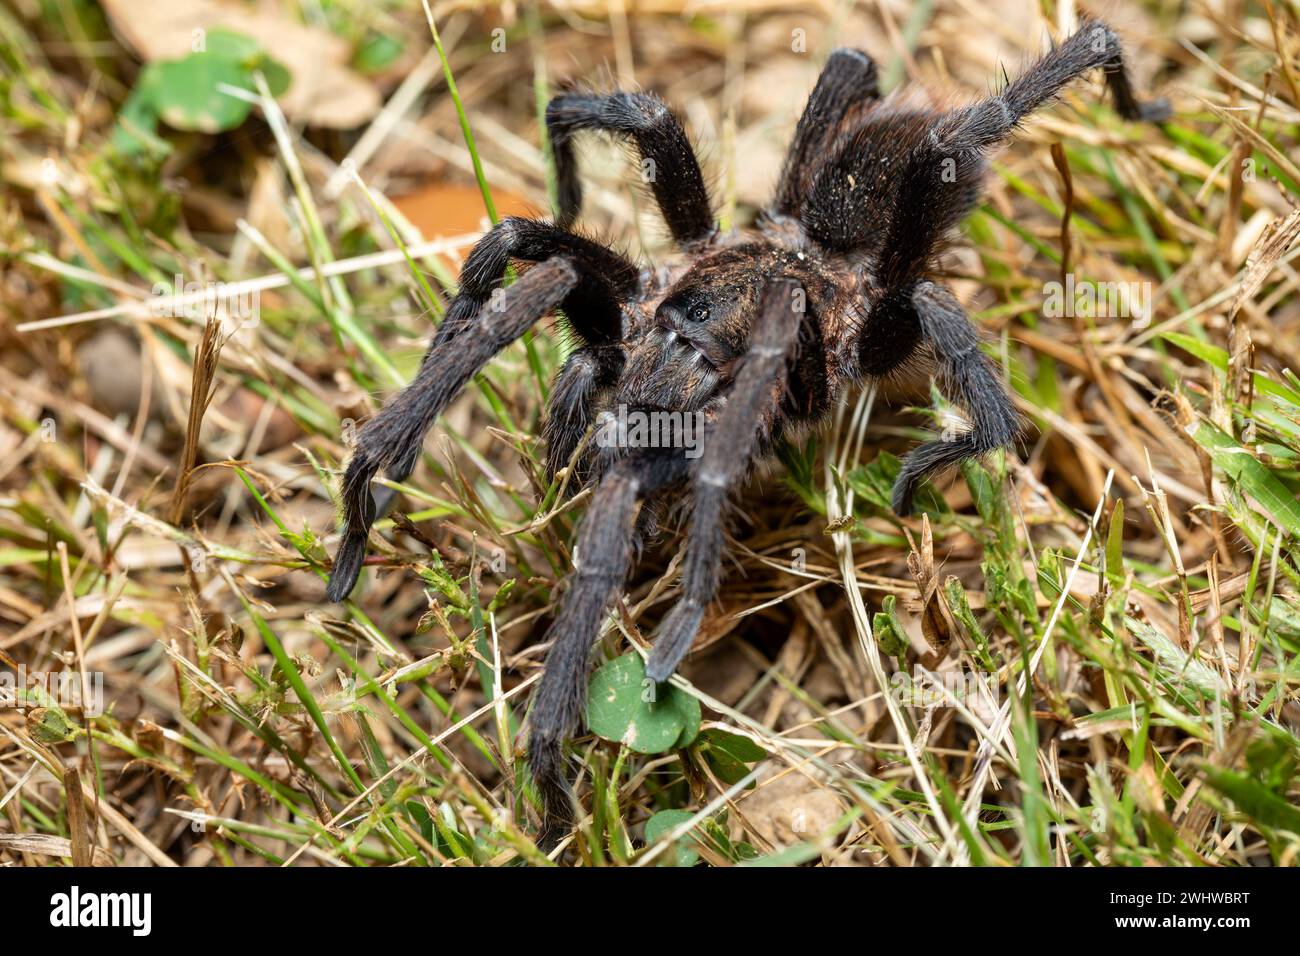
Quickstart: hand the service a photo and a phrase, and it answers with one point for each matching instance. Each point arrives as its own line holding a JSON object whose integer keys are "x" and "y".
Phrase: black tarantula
{"x": 760, "y": 332}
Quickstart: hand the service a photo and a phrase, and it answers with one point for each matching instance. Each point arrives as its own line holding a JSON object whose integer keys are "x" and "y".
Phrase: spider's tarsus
{"x": 677, "y": 633}
{"x": 347, "y": 567}
{"x": 1155, "y": 111}
{"x": 546, "y": 762}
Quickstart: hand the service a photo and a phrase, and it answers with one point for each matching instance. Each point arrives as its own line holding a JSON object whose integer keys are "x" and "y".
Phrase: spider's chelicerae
{"x": 757, "y": 332}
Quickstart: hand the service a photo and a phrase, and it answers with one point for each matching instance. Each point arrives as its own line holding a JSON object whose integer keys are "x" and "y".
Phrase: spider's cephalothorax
{"x": 744, "y": 337}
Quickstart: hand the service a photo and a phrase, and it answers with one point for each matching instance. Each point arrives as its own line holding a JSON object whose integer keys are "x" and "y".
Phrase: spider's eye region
{"x": 699, "y": 313}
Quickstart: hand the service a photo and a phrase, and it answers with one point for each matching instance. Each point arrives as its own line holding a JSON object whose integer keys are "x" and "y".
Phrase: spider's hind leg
{"x": 969, "y": 380}
{"x": 1093, "y": 46}
{"x": 905, "y": 176}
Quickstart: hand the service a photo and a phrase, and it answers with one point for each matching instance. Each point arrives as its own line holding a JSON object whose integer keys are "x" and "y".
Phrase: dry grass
{"x": 1112, "y": 609}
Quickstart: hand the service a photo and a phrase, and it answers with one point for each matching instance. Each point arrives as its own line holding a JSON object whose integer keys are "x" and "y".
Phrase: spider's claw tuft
{"x": 904, "y": 491}
{"x": 382, "y": 500}
{"x": 546, "y": 761}
{"x": 359, "y": 510}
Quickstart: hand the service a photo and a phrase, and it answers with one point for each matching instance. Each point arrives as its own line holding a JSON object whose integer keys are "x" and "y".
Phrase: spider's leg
{"x": 668, "y": 161}
{"x": 1093, "y": 46}
{"x": 940, "y": 181}
{"x": 729, "y": 450}
{"x": 604, "y": 554}
{"x": 391, "y": 440}
{"x": 593, "y": 306}
{"x": 847, "y": 83}
{"x": 569, "y": 412}
{"x": 968, "y": 379}
{"x": 602, "y": 280}
{"x": 906, "y": 176}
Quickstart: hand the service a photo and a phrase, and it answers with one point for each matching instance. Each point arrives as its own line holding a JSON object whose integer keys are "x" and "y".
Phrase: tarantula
{"x": 759, "y": 332}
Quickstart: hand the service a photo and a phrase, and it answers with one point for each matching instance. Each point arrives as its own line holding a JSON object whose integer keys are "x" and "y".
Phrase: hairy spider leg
{"x": 602, "y": 281}
{"x": 905, "y": 175}
{"x": 733, "y": 442}
{"x": 606, "y": 539}
{"x": 847, "y": 85}
{"x": 968, "y": 379}
{"x": 896, "y": 186}
{"x": 388, "y": 439}
{"x": 569, "y": 411}
{"x": 593, "y": 306}
{"x": 941, "y": 179}
{"x": 669, "y": 165}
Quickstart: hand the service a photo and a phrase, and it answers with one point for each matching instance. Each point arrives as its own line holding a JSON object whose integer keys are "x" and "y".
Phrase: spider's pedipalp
{"x": 967, "y": 378}
{"x": 392, "y": 439}
{"x": 847, "y": 85}
{"x": 669, "y": 164}
{"x": 731, "y": 444}
{"x": 604, "y": 555}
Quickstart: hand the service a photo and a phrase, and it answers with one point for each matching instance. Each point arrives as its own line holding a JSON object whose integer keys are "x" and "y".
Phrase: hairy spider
{"x": 758, "y": 331}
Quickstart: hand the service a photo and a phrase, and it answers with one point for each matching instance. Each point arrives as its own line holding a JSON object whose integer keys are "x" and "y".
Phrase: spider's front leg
{"x": 392, "y": 439}
{"x": 603, "y": 557}
{"x": 587, "y": 280}
{"x": 730, "y": 448}
{"x": 605, "y": 539}
{"x": 965, "y": 376}
{"x": 593, "y": 306}
{"x": 673, "y": 172}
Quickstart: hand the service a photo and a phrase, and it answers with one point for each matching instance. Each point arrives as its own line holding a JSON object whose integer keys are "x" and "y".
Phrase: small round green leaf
{"x": 739, "y": 747}
{"x": 231, "y": 45}
{"x": 188, "y": 95}
{"x": 623, "y": 706}
{"x": 729, "y": 754}
{"x": 662, "y": 824}
{"x": 376, "y": 53}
